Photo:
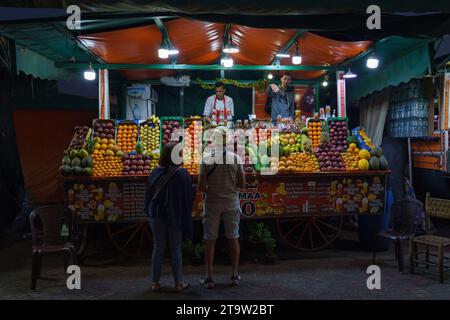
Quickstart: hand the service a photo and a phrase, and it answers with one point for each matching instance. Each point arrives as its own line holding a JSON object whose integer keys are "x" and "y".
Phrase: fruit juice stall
{"x": 327, "y": 166}
{"x": 321, "y": 174}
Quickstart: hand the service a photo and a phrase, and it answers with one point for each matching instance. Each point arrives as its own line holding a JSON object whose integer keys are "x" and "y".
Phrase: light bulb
{"x": 173, "y": 51}
{"x": 349, "y": 75}
{"x": 325, "y": 83}
{"x": 228, "y": 62}
{"x": 270, "y": 76}
{"x": 90, "y": 74}
{"x": 163, "y": 53}
{"x": 296, "y": 59}
{"x": 372, "y": 62}
{"x": 282, "y": 55}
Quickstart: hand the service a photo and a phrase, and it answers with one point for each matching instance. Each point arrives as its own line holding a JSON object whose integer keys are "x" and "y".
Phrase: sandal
{"x": 207, "y": 283}
{"x": 235, "y": 280}
{"x": 156, "y": 287}
{"x": 182, "y": 286}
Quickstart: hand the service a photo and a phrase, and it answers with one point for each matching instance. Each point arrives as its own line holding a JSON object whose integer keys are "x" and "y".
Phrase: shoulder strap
{"x": 163, "y": 180}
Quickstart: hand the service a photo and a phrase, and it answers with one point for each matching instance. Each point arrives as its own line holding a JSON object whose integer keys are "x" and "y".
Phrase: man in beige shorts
{"x": 221, "y": 177}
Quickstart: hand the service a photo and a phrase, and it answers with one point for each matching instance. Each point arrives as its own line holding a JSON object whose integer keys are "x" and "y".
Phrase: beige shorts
{"x": 229, "y": 212}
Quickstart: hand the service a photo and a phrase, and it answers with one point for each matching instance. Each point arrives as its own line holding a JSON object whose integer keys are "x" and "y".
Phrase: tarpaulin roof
{"x": 201, "y": 43}
{"x": 341, "y": 20}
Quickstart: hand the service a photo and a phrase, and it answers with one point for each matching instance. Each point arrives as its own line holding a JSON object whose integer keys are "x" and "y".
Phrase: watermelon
{"x": 374, "y": 164}
{"x": 384, "y": 164}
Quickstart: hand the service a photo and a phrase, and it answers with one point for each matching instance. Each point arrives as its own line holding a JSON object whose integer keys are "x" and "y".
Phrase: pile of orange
{"x": 106, "y": 165}
{"x": 192, "y": 168}
{"x": 299, "y": 162}
{"x": 351, "y": 158}
{"x": 127, "y": 137}
{"x": 314, "y": 131}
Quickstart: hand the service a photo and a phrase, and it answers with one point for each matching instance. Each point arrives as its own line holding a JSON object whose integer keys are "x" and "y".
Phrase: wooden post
{"x": 341, "y": 97}
{"x": 103, "y": 94}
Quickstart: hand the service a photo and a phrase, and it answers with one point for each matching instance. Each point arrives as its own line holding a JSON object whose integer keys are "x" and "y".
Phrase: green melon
{"x": 87, "y": 162}
{"x": 65, "y": 170}
{"x": 66, "y": 161}
{"x": 377, "y": 151}
{"x": 73, "y": 153}
{"x": 76, "y": 162}
{"x": 87, "y": 171}
{"x": 384, "y": 164}
{"x": 78, "y": 171}
{"x": 374, "y": 164}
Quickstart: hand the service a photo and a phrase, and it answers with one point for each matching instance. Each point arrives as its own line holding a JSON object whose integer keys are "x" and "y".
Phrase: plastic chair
{"x": 404, "y": 215}
{"x": 46, "y": 225}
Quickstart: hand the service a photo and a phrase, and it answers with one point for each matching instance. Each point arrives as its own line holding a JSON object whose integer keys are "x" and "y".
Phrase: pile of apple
{"x": 168, "y": 128}
{"x": 338, "y": 133}
{"x": 137, "y": 165}
{"x": 330, "y": 158}
{"x": 104, "y": 129}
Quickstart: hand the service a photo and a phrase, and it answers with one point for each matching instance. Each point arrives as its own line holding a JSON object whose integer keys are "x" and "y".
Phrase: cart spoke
{"x": 320, "y": 232}
{"x": 328, "y": 225}
{"x": 126, "y": 229}
{"x": 311, "y": 236}
{"x": 294, "y": 228}
{"x": 141, "y": 242}
{"x": 303, "y": 234}
{"x": 132, "y": 236}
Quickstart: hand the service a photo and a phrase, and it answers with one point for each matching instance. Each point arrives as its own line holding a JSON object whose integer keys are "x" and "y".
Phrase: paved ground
{"x": 338, "y": 273}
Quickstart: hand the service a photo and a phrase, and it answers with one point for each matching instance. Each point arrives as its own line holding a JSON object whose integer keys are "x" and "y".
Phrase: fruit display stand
{"x": 308, "y": 197}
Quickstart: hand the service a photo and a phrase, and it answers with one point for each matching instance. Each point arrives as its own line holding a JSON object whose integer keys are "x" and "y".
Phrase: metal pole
{"x": 410, "y": 161}
{"x": 182, "y": 101}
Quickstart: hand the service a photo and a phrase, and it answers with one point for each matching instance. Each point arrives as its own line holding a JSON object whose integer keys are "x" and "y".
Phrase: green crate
{"x": 161, "y": 120}
{"x": 151, "y": 124}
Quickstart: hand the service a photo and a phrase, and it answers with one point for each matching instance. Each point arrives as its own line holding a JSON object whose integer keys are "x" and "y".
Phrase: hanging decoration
{"x": 259, "y": 85}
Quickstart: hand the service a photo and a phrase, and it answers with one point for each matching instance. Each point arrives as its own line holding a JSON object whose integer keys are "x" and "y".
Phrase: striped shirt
{"x": 222, "y": 184}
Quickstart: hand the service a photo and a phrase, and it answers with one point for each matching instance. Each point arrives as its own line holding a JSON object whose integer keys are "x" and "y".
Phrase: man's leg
{"x": 209, "y": 257}
{"x": 235, "y": 251}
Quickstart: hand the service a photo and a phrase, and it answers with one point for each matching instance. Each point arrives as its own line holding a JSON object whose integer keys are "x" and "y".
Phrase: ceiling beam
{"x": 66, "y": 32}
{"x": 165, "y": 36}
{"x": 213, "y": 67}
{"x": 289, "y": 44}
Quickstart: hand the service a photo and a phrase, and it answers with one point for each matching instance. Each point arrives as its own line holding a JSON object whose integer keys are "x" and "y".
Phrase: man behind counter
{"x": 219, "y": 107}
{"x": 282, "y": 98}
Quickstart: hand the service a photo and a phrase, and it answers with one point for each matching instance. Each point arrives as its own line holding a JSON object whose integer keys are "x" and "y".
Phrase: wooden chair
{"x": 46, "y": 225}
{"x": 439, "y": 208}
{"x": 402, "y": 227}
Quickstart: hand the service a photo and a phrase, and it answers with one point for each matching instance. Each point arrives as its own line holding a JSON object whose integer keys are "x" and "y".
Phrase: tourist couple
{"x": 169, "y": 200}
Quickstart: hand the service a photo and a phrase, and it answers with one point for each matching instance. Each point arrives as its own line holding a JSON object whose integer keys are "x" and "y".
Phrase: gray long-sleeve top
{"x": 282, "y": 103}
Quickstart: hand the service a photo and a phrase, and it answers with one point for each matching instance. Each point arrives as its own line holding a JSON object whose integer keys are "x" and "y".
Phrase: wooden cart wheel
{"x": 80, "y": 238}
{"x": 309, "y": 233}
{"x": 133, "y": 239}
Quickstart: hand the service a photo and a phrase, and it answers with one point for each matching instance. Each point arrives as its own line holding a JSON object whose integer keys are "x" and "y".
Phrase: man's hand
{"x": 274, "y": 88}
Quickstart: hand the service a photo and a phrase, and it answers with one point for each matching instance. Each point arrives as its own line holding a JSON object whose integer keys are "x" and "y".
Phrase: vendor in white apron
{"x": 219, "y": 107}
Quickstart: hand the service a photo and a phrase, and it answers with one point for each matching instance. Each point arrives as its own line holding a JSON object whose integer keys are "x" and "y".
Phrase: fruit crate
{"x": 78, "y": 141}
{"x": 180, "y": 120}
{"x": 329, "y": 120}
{"x": 151, "y": 124}
{"x": 101, "y": 123}
{"x": 134, "y": 123}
